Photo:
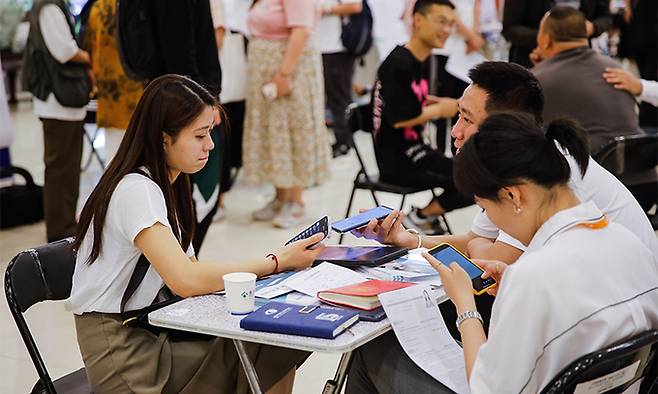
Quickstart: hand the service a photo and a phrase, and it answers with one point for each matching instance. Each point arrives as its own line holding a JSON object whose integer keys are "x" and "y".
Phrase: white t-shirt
{"x": 137, "y": 203}
{"x": 599, "y": 186}
{"x": 574, "y": 291}
{"x": 330, "y": 27}
{"x": 388, "y": 29}
{"x": 62, "y": 46}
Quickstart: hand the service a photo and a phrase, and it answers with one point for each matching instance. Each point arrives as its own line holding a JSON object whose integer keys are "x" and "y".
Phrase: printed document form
{"x": 423, "y": 334}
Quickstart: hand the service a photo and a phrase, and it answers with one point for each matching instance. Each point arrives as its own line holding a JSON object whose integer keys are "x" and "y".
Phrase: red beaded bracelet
{"x": 276, "y": 262}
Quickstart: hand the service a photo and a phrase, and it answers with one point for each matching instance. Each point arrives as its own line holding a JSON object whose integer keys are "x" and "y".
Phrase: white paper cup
{"x": 240, "y": 287}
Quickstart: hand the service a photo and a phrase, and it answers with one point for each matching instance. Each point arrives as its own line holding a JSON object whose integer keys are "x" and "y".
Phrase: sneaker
{"x": 338, "y": 150}
{"x": 269, "y": 211}
{"x": 291, "y": 215}
{"x": 429, "y": 225}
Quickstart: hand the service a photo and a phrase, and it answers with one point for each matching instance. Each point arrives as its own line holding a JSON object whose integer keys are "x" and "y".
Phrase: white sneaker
{"x": 269, "y": 211}
{"x": 291, "y": 215}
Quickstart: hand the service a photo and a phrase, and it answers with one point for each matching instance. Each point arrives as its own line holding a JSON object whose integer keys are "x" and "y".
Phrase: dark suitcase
{"x": 20, "y": 204}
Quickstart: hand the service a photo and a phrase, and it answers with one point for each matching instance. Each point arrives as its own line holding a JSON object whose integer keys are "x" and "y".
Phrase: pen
{"x": 349, "y": 331}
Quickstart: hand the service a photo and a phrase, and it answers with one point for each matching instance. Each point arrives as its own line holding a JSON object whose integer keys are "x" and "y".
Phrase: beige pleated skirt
{"x": 121, "y": 359}
{"x": 286, "y": 142}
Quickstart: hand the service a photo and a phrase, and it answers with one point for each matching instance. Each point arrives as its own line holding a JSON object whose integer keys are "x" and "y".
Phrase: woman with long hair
{"x": 582, "y": 284}
{"x": 142, "y": 205}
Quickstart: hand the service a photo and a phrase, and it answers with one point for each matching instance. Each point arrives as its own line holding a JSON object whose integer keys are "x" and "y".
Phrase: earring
{"x": 517, "y": 210}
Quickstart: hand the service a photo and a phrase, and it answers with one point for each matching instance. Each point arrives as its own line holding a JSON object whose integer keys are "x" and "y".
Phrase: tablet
{"x": 355, "y": 256}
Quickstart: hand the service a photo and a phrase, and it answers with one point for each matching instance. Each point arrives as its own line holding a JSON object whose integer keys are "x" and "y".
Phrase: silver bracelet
{"x": 468, "y": 315}
{"x": 414, "y": 231}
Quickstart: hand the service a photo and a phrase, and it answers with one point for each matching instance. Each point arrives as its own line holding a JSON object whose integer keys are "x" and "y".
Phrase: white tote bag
{"x": 233, "y": 60}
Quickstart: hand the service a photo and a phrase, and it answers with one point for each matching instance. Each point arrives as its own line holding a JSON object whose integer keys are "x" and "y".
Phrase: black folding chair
{"x": 359, "y": 118}
{"x": 35, "y": 275}
{"x": 597, "y": 366}
{"x": 634, "y": 160}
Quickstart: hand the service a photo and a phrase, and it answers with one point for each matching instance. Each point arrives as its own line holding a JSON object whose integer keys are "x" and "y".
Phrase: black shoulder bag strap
{"x": 139, "y": 317}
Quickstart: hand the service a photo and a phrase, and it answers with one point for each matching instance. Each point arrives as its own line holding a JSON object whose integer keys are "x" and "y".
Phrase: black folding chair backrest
{"x": 638, "y": 353}
{"x": 35, "y": 275}
{"x": 359, "y": 118}
{"x": 627, "y": 155}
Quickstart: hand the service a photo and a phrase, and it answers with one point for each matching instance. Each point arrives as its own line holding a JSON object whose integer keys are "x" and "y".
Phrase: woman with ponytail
{"x": 583, "y": 282}
{"x": 141, "y": 213}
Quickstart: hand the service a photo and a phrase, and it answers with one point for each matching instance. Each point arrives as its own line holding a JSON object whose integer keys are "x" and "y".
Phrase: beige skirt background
{"x": 122, "y": 359}
{"x": 286, "y": 141}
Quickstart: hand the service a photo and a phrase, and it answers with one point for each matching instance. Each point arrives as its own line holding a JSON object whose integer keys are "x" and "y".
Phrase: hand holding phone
{"x": 360, "y": 220}
{"x": 442, "y": 256}
{"x": 321, "y": 226}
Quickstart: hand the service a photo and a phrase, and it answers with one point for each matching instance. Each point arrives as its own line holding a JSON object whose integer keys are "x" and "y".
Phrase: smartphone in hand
{"x": 321, "y": 226}
{"x": 447, "y": 254}
{"x": 360, "y": 220}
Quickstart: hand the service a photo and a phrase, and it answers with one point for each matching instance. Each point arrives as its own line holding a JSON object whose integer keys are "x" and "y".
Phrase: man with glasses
{"x": 402, "y": 106}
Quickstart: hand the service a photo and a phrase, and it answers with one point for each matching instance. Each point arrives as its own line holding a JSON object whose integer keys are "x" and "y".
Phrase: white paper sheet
{"x": 324, "y": 276}
{"x": 423, "y": 334}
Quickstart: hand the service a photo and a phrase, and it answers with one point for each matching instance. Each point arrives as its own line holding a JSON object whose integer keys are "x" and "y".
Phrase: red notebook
{"x": 361, "y": 295}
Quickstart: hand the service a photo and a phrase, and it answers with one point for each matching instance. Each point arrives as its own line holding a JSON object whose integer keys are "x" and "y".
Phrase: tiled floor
{"x": 235, "y": 238}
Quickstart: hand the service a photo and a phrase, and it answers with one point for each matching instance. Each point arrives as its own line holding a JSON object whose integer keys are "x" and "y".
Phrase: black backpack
{"x": 357, "y": 32}
{"x": 136, "y": 39}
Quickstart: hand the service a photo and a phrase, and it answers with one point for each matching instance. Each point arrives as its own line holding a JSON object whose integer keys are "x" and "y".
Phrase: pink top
{"x": 271, "y": 19}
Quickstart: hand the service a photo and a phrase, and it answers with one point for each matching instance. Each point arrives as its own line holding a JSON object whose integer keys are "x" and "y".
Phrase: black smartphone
{"x": 447, "y": 254}
{"x": 360, "y": 220}
{"x": 321, "y": 226}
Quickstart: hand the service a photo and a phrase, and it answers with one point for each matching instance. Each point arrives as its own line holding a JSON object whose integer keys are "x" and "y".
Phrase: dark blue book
{"x": 311, "y": 321}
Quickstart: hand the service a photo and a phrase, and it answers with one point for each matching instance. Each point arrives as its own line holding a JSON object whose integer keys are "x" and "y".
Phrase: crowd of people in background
{"x": 285, "y": 76}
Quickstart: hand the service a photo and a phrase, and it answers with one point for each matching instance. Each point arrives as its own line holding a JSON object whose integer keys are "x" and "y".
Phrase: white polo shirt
{"x": 574, "y": 291}
{"x": 136, "y": 203}
{"x": 599, "y": 186}
{"x": 330, "y": 28}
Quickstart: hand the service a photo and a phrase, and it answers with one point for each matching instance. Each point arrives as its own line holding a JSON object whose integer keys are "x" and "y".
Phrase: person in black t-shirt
{"x": 402, "y": 106}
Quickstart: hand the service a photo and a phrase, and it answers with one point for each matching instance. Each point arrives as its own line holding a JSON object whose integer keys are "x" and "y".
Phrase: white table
{"x": 209, "y": 315}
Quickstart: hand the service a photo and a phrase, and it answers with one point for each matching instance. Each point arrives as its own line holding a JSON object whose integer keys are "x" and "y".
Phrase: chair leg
{"x": 404, "y": 197}
{"x": 347, "y": 213}
{"x": 374, "y": 197}
{"x": 445, "y": 221}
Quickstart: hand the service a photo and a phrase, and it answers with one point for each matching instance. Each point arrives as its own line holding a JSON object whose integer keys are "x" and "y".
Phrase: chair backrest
{"x": 612, "y": 369}
{"x": 35, "y": 275}
{"x": 358, "y": 117}
{"x": 630, "y": 154}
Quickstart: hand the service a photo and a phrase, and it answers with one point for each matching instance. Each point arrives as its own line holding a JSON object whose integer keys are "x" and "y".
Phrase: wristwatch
{"x": 468, "y": 315}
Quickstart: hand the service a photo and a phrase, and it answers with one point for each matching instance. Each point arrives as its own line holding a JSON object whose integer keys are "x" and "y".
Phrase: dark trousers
{"x": 436, "y": 171}
{"x": 62, "y": 152}
{"x": 381, "y": 366}
{"x": 338, "y": 73}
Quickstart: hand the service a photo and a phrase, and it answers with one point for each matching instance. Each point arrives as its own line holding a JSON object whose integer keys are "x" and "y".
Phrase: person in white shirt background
{"x": 569, "y": 294}
{"x": 338, "y": 66}
{"x": 62, "y": 126}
